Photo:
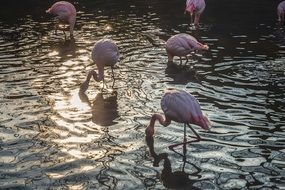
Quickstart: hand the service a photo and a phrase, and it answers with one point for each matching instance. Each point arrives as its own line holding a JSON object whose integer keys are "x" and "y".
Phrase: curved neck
{"x": 160, "y": 118}
{"x": 100, "y": 75}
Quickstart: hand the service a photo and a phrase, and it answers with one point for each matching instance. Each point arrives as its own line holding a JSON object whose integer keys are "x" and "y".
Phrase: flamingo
{"x": 182, "y": 45}
{"x": 280, "y": 11}
{"x": 105, "y": 53}
{"x": 181, "y": 107}
{"x": 195, "y": 7}
{"x": 66, "y": 13}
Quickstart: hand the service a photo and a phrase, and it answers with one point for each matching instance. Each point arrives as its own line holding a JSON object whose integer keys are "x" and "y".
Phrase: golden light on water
{"x": 108, "y": 27}
{"x": 72, "y": 102}
{"x": 53, "y": 53}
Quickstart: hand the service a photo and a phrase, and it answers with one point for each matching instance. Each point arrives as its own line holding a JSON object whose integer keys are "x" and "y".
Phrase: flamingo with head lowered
{"x": 181, "y": 107}
{"x": 181, "y": 45}
{"x": 196, "y": 8}
{"x": 65, "y": 12}
{"x": 105, "y": 53}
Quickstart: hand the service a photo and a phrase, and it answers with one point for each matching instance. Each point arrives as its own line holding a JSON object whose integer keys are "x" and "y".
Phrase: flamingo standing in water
{"x": 66, "y": 13}
{"x": 105, "y": 53}
{"x": 181, "y": 107}
{"x": 281, "y": 11}
{"x": 195, "y": 7}
{"x": 182, "y": 45}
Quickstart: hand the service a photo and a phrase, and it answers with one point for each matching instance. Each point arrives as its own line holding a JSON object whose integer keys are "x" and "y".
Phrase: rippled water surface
{"x": 52, "y": 136}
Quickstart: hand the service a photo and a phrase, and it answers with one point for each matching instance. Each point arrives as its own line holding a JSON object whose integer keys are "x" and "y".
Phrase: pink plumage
{"x": 181, "y": 45}
{"x": 281, "y": 11}
{"x": 105, "y": 53}
{"x": 195, "y": 7}
{"x": 181, "y": 107}
{"x": 65, "y": 13}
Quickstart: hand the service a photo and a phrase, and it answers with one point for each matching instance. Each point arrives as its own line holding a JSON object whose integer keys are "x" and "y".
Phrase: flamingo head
{"x": 204, "y": 122}
{"x": 203, "y": 46}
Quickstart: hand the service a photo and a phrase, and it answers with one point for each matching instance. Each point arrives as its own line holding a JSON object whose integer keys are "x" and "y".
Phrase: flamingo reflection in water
{"x": 182, "y": 75}
{"x": 105, "y": 53}
{"x": 66, "y": 48}
{"x": 172, "y": 179}
{"x": 104, "y": 110}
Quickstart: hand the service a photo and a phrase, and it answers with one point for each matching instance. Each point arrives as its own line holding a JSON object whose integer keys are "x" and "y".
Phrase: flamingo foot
{"x": 171, "y": 147}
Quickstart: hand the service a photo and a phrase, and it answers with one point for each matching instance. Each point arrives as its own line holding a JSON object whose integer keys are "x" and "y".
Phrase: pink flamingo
{"x": 280, "y": 11}
{"x": 105, "y": 53}
{"x": 182, "y": 45}
{"x": 66, "y": 13}
{"x": 181, "y": 107}
{"x": 195, "y": 7}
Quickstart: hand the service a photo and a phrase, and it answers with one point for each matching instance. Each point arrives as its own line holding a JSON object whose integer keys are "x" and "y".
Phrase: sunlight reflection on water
{"x": 53, "y": 136}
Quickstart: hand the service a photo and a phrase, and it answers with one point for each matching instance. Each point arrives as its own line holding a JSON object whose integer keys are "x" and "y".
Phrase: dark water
{"x": 53, "y": 137}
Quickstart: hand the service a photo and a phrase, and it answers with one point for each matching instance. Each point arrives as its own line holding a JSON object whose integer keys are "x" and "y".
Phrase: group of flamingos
{"x": 177, "y": 105}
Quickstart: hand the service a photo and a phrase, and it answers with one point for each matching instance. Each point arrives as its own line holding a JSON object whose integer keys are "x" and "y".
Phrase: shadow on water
{"x": 171, "y": 179}
{"x": 65, "y": 48}
{"x": 182, "y": 74}
{"x": 104, "y": 109}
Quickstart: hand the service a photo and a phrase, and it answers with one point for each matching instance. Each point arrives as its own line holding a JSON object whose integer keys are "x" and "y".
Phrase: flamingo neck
{"x": 89, "y": 76}
{"x": 98, "y": 77}
{"x": 160, "y": 119}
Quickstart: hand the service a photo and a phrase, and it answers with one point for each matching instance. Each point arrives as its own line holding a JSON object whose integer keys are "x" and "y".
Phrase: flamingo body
{"x": 195, "y": 7}
{"x": 105, "y": 53}
{"x": 65, "y": 13}
{"x": 281, "y": 11}
{"x": 181, "y": 45}
{"x": 182, "y": 107}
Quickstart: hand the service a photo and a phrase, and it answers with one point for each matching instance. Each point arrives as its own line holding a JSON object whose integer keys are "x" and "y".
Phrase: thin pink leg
{"x": 197, "y": 138}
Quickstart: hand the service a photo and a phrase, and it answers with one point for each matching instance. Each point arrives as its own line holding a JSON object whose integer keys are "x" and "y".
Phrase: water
{"x": 51, "y": 136}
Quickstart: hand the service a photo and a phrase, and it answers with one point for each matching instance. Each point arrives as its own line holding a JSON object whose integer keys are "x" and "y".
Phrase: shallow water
{"x": 51, "y": 136}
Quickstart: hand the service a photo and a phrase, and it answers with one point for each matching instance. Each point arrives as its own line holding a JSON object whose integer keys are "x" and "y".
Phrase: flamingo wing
{"x": 105, "y": 51}
{"x": 63, "y": 9}
{"x": 182, "y": 107}
{"x": 181, "y": 44}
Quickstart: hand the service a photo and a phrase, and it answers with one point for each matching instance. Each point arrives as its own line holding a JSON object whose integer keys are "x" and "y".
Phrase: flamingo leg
{"x": 64, "y": 33}
{"x": 184, "y": 141}
{"x": 56, "y": 26}
{"x": 192, "y": 18}
{"x": 197, "y": 139}
{"x": 197, "y": 135}
{"x": 113, "y": 76}
{"x": 103, "y": 85}
{"x": 186, "y": 59}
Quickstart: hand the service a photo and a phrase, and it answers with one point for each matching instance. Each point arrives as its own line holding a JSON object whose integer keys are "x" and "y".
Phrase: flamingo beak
{"x": 205, "y": 47}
